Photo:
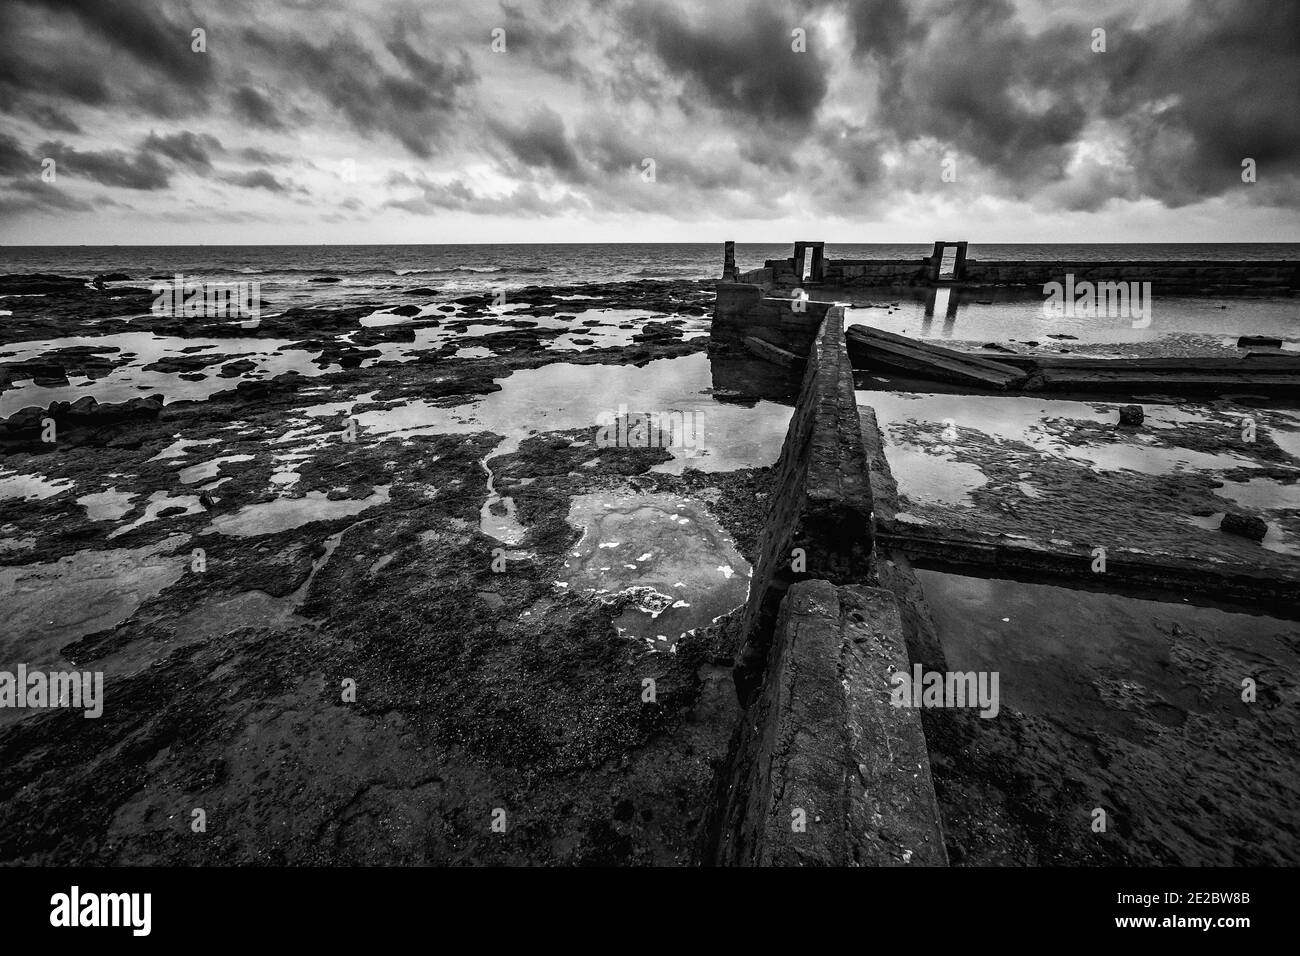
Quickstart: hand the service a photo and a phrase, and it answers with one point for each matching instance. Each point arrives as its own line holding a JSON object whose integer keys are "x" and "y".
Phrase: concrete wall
{"x": 825, "y": 771}
{"x": 876, "y": 271}
{"x": 742, "y": 310}
{"x": 821, "y": 500}
{"x": 1169, "y": 276}
{"x": 818, "y": 642}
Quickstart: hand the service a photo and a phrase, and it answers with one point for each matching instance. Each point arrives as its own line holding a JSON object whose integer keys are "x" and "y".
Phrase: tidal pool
{"x": 665, "y": 553}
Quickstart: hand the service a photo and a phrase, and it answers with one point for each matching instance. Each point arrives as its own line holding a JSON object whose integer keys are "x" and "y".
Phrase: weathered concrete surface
{"x": 1265, "y": 372}
{"x": 772, "y": 353}
{"x": 1054, "y": 537}
{"x": 742, "y": 310}
{"x": 1170, "y": 277}
{"x": 819, "y": 525}
{"x": 825, "y": 771}
{"x": 874, "y": 348}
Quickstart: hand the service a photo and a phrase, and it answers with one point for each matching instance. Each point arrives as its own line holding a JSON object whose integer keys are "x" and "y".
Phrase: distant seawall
{"x": 948, "y": 265}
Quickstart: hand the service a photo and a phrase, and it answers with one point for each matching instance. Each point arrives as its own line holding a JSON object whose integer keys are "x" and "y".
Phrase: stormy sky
{"x": 385, "y": 121}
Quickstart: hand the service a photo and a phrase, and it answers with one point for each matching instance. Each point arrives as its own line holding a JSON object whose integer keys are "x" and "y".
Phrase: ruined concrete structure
{"x": 823, "y": 769}
{"x": 1185, "y": 277}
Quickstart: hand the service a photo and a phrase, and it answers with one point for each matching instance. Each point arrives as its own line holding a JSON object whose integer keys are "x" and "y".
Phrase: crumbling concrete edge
{"x": 819, "y": 524}
{"x": 820, "y": 736}
{"x": 825, "y": 771}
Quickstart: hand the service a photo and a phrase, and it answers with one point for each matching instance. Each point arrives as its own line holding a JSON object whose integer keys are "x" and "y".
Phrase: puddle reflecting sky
{"x": 665, "y": 551}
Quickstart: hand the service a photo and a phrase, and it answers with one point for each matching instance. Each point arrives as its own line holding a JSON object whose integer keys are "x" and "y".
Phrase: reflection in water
{"x": 665, "y": 554}
{"x": 1016, "y": 315}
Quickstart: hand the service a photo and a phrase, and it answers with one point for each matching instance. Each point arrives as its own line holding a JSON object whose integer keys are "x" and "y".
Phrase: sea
{"x": 364, "y": 271}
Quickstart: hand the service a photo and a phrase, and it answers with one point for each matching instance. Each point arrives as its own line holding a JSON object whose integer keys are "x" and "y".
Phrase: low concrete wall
{"x": 876, "y": 271}
{"x": 819, "y": 525}
{"x": 824, "y": 769}
{"x": 1182, "y": 277}
{"x": 742, "y": 310}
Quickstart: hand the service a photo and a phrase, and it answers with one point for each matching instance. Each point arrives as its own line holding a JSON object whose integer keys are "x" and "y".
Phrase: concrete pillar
{"x": 818, "y": 262}
{"x": 959, "y": 266}
{"x": 936, "y": 261}
{"x": 729, "y": 261}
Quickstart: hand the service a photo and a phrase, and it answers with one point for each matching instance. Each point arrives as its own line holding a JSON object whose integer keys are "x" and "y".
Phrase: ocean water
{"x": 364, "y": 271}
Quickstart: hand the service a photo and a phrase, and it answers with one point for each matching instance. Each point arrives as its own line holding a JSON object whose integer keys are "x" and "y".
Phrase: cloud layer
{"x": 363, "y": 117}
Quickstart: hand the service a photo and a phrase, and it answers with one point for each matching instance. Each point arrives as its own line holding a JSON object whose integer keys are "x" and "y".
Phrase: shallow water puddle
{"x": 49, "y": 605}
{"x": 1062, "y": 653}
{"x": 32, "y": 487}
{"x": 130, "y": 379}
{"x": 667, "y": 553}
{"x": 996, "y": 315}
{"x": 269, "y": 517}
{"x": 931, "y": 471}
{"x": 563, "y": 396}
{"x": 207, "y": 469}
{"x": 106, "y": 505}
{"x": 160, "y": 501}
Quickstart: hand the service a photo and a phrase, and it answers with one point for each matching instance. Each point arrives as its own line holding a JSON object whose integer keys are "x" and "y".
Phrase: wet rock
{"x": 37, "y": 282}
{"x": 172, "y": 512}
{"x": 235, "y": 369}
{"x": 1131, "y": 415}
{"x": 654, "y": 332}
{"x": 1244, "y": 525}
{"x": 1259, "y": 341}
{"x": 421, "y": 290}
{"x": 184, "y": 363}
{"x": 325, "y": 279}
{"x": 406, "y": 310}
{"x": 112, "y": 277}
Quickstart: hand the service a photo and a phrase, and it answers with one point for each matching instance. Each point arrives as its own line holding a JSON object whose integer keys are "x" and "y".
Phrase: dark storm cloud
{"x": 415, "y": 104}
{"x": 979, "y": 82}
{"x": 1227, "y": 81}
{"x": 111, "y": 167}
{"x": 99, "y": 53}
{"x": 457, "y": 196}
{"x": 50, "y": 118}
{"x": 256, "y": 179}
{"x": 739, "y": 59}
{"x": 1192, "y": 95}
{"x": 194, "y": 150}
{"x": 38, "y": 196}
{"x": 541, "y": 141}
{"x": 263, "y": 157}
{"x": 882, "y": 27}
{"x": 14, "y": 160}
{"x": 255, "y": 109}
{"x": 159, "y": 42}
